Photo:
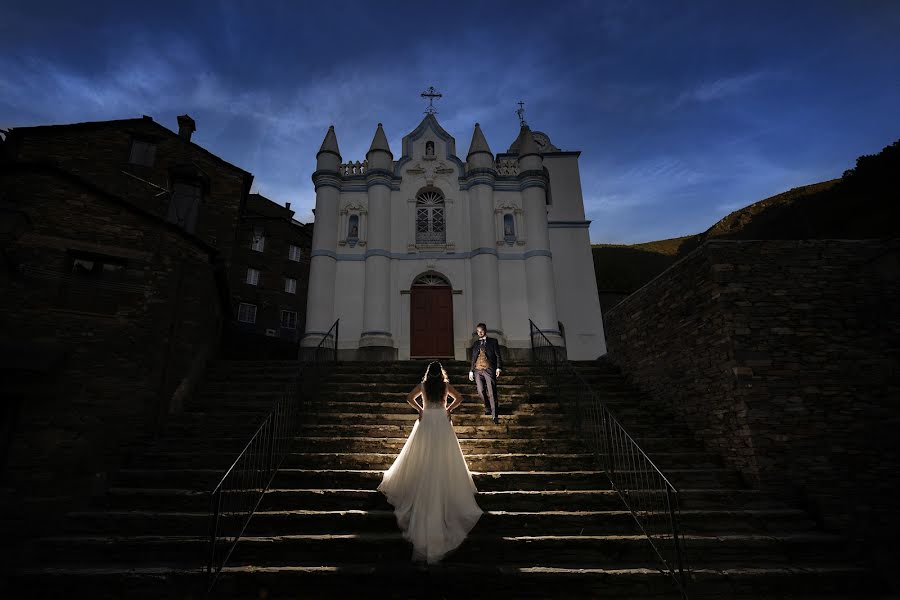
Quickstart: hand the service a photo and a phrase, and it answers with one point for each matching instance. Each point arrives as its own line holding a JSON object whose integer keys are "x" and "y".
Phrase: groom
{"x": 486, "y": 365}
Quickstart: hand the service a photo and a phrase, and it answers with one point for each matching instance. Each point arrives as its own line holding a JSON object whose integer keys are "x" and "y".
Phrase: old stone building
{"x": 117, "y": 240}
{"x": 269, "y": 273}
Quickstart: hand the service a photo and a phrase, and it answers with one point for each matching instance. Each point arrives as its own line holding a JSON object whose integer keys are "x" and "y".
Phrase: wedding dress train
{"x": 431, "y": 488}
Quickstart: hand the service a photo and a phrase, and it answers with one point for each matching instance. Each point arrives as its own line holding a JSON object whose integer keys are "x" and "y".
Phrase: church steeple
{"x": 379, "y": 154}
{"x": 379, "y": 142}
{"x": 479, "y": 144}
{"x": 525, "y": 144}
{"x": 329, "y": 156}
{"x": 530, "y": 157}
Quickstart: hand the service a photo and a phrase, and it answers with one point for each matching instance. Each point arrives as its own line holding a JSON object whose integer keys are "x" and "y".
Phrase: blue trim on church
{"x": 430, "y": 255}
{"x": 531, "y": 253}
{"x": 568, "y": 224}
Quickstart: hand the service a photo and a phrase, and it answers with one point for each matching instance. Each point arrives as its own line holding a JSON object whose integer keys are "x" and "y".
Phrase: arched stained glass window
{"x": 431, "y": 227}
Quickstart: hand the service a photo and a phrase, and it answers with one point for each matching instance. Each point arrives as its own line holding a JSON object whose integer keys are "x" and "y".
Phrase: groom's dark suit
{"x": 486, "y": 360}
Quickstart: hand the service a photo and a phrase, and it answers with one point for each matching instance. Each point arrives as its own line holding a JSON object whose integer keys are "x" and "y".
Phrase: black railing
{"x": 238, "y": 495}
{"x": 326, "y": 351}
{"x": 649, "y": 495}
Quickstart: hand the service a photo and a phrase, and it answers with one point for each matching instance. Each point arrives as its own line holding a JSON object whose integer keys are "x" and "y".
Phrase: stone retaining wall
{"x": 782, "y": 356}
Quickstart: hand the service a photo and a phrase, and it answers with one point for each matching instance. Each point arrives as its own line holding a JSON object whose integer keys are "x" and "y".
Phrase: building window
{"x": 290, "y": 285}
{"x": 252, "y": 276}
{"x": 184, "y": 205}
{"x": 258, "y": 241}
{"x": 509, "y": 228}
{"x": 95, "y": 284}
{"x": 430, "y": 223}
{"x": 294, "y": 253}
{"x": 97, "y": 266}
{"x": 142, "y": 153}
{"x": 353, "y": 228}
{"x": 246, "y": 313}
{"x": 289, "y": 319}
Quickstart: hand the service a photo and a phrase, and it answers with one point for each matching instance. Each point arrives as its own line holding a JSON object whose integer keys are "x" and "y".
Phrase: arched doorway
{"x": 431, "y": 317}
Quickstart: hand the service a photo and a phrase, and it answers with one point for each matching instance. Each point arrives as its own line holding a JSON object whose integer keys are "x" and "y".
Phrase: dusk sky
{"x": 683, "y": 111}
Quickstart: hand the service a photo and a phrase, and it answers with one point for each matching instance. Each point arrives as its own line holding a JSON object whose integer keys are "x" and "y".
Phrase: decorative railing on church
{"x": 507, "y": 166}
{"x": 351, "y": 168}
{"x": 238, "y": 494}
{"x": 649, "y": 495}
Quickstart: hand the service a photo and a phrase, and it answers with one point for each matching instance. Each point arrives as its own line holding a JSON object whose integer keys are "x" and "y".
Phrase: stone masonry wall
{"x": 782, "y": 355}
{"x": 128, "y": 342}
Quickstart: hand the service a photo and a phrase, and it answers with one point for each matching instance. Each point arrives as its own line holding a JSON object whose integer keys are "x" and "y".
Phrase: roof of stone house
{"x": 144, "y": 120}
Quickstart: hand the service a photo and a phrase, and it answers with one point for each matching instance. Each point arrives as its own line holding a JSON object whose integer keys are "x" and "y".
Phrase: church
{"x": 410, "y": 253}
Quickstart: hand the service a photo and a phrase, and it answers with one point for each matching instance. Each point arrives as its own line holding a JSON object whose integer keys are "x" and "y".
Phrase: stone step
{"x": 547, "y": 522}
{"x": 483, "y": 429}
{"x": 352, "y": 443}
{"x": 396, "y": 370}
{"x": 206, "y": 479}
{"x": 649, "y": 439}
{"x": 374, "y": 444}
{"x": 324, "y": 417}
{"x": 413, "y": 366}
{"x": 513, "y": 500}
{"x": 280, "y": 498}
{"x": 490, "y": 461}
{"x": 406, "y": 387}
{"x": 586, "y": 551}
{"x": 494, "y": 580}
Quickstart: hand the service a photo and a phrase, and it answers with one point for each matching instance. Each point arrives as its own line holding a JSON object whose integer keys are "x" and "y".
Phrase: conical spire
{"x": 379, "y": 142}
{"x": 329, "y": 144}
{"x": 479, "y": 144}
{"x": 525, "y": 144}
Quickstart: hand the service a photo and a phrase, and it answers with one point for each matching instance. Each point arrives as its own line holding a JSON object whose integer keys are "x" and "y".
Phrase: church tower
{"x": 412, "y": 253}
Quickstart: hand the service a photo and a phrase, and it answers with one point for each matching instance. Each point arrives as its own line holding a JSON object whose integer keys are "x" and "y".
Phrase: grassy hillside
{"x": 863, "y": 203}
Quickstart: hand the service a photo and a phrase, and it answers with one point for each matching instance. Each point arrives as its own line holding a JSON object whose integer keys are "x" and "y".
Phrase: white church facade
{"x": 410, "y": 254}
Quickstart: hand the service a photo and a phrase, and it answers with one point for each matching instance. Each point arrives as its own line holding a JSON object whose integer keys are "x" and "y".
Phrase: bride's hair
{"x": 435, "y": 381}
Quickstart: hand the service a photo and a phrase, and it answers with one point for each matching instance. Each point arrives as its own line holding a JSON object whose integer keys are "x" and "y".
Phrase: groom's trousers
{"x": 486, "y": 381}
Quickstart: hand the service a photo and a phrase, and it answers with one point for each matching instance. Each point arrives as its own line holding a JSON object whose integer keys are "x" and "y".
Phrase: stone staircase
{"x": 552, "y": 526}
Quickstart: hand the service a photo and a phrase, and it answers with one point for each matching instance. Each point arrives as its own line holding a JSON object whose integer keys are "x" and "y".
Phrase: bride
{"x": 429, "y": 484}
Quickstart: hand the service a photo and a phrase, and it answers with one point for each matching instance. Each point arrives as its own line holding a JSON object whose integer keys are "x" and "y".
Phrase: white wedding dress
{"x": 431, "y": 488}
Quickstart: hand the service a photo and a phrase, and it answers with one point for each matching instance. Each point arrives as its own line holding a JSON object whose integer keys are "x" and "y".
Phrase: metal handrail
{"x": 647, "y": 493}
{"x": 238, "y": 494}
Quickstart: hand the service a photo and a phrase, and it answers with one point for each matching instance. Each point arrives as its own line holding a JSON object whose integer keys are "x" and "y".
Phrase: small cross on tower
{"x": 431, "y": 94}
{"x": 521, "y": 113}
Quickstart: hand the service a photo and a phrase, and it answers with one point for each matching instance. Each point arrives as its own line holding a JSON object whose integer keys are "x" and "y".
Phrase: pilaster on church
{"x": 320, "y": 312}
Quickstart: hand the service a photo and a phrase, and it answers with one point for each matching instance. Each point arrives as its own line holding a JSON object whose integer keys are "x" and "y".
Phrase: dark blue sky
{"x": 683, "y": 111}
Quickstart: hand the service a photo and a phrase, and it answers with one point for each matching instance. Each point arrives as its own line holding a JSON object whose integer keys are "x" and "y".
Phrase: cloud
{"x": 721, "y": 88}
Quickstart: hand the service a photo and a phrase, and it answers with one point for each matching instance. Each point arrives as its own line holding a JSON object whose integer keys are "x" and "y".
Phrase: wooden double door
{"x": 431, "y": 321}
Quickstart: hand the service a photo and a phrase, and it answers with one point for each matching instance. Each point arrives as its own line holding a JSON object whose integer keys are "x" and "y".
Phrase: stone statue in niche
{"x": 429, "y": 150}
{"x": 353, "y": 233}
{"x": 509, "y": 229}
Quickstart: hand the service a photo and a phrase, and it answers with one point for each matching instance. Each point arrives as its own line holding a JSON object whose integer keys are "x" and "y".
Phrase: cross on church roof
{"x": 431, "y": 94}
{"x": 521, "y": 113}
